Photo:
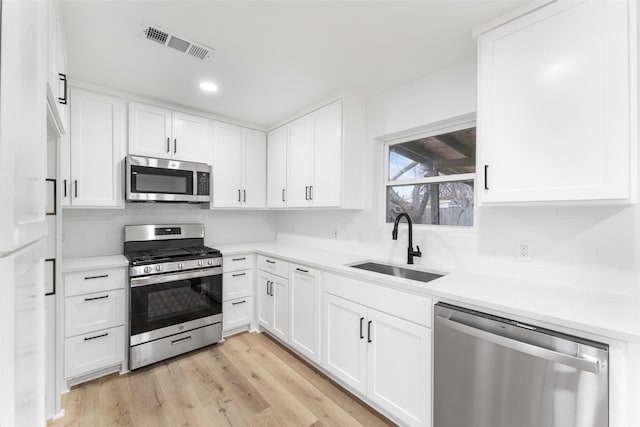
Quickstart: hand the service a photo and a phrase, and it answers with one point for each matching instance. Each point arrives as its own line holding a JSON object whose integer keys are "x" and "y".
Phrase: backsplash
{"x": 89, "y": 232}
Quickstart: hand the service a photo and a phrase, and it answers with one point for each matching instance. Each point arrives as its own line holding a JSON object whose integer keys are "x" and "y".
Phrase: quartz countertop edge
{"x": 71, "y": 265}
{"x": 598, "y": 313}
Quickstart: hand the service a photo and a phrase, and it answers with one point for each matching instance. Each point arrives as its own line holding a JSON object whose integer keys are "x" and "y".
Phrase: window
{"x": 431, "y": 177}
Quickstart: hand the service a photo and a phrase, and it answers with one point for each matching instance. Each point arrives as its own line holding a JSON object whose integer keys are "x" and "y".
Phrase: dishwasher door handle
{"x": 585, "y": 364}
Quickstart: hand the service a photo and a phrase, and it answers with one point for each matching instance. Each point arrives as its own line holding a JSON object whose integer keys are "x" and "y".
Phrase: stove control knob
{"x": 158, "y": 268}
{"x": 180, "y": 265}
{"x": 210, "y": 262}
{"x": 200, "y": 263}
{"x": 147, "y": 269}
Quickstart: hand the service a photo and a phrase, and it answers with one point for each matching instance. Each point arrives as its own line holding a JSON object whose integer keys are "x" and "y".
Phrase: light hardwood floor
{"x": 248, "y": 380}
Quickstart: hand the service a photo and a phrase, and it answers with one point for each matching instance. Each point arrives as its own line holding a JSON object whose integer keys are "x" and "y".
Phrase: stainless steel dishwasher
{"x": 495, "y": 372}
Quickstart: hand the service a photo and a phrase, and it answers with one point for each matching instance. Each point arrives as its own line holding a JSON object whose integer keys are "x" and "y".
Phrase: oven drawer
{"x": 237, "y": 262}
{"x": 237, "y": 284}
{"x": 92, "y": 312}
{"x": 237, "y": 313}
{"x": 86, "y": 282}
{"x": 274, "y": 266}
{"x": 94, "y": 351}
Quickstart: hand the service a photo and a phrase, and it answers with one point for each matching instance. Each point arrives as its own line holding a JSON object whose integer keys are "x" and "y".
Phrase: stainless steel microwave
{"x": 163, "y": 180}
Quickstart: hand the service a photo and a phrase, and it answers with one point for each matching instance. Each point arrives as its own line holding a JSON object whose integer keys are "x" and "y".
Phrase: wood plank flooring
{"x": 248, "y": 380}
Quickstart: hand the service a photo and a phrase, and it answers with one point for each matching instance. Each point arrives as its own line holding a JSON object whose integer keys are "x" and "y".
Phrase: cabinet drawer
{"x": 237, "y": 313}
{"x": 237, "y": 284}
{"x": 90, "y": 352}
{"x": 92, "y": 312}
{"x": 237, "y": 262}
{"x": 86, "y": 282}
{"x": 273, "y": 265}
{"x": 413, "y": 308}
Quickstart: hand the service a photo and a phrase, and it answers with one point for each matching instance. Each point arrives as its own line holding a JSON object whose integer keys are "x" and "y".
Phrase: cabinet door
{"x": 227, "y": 165}
{"x": 345, "y": 342}
{"x": 254, "y": 190}
{"x": 300, "y": 167}
{"x": 98, "y": 136}
{"x": 399, "y": 368}
{"x": 280, "y": 295}
{"x": 237, "y": 284}
{"x": 277, "y": 168}
{"x": 92, "y": 312}
{"x": 265, "y": 300}
{"x": 327, "y": 156}
{"x": 65, "y": 170}
{"x": 150, "y": 131}
{"x": 57, "y": 64}
{"x": 237, "y": 313}
{"x": 190, "y": 138}
{"x": 305, "y": 311}
{"x": 93, "y": 351}
{"x": 554, "y": 107}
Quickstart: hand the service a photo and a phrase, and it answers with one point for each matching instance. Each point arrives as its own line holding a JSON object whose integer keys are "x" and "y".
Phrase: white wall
{"x": 591, "y": 247}
{"x": 95, "y": 232}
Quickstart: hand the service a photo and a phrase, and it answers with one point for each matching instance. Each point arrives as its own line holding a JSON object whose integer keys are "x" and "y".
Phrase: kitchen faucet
{"x": 410, "y": 252}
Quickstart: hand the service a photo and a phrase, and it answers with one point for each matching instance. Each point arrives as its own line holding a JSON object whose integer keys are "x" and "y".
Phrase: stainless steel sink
{"x": 392, "y": 270}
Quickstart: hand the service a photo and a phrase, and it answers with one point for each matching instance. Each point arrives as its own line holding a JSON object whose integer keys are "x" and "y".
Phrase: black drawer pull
{"x": 96, "y": 277}
{"x": 65, "y": 188}
{"x": 283, "y": 195}
{"x": 181, "y": 340}
{"x": 97, "y": 336}
{"x": 239, "y": 259}
{"x": 239, "y": 302}
{"x": 361, "y": 334}
{"x": 369, "y": 331}
{"x": 486, "y": 185}
{"x": 269, "y": 261}
{"x": 96, "y": 298}
{"x": 306, "y": 193}
{"x": 301, "y": 270}
{"x": 239, "y": 274}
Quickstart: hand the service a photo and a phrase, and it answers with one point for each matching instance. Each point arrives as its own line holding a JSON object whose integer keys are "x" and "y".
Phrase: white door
{"x": 265, "y": 300}
{"x": 399, "y": 368}
{"x": 254, "y": 191}
{"x": 277, "y": 168}
{"x": 150, "y": 131}
{"x": 304, "y": 313}
{"x": 554, "y": 105}
{"x": 299, "y": 164}
{"x": 280, "y": 294}
{"x": 327, "y": 156}
{"x": 98, "y": 136}
{"x": 345, "y": 345}
{"x": 190, "y": 138}
{"x": 227, "y": 166}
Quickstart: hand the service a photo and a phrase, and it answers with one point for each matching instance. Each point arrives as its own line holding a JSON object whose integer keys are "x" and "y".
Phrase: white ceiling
{"x": 271, "y": 58}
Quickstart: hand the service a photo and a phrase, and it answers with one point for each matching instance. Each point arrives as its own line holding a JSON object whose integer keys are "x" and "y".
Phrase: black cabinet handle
{"x": 283, "y": 194}
{"x": 96, "y": 277}
{"x": 63, "y": 78}
{"x": 311, "y": 192}
{"x": 65, "y": 188}
{"x": 361, "y": 335}
{"x": 244, "y": 195}
{"x": 97, "y": 336}
{"x": 175, "y": 146}
{"x": 369, "y": 331}
{"x": 239, "y": 259}
{"x": 96, "y": 298}
{"x": 301, "y": 270}
{"x": 239, "y": 193}
{"x": 76, "y": 187}
{"x": 486, "y": 185}
{"x": 239, "y": 274}
{"x": 168, "y": 145}
{"x": 271, "y": 288}
{"x": 268, "y": 288}
{"x": 269, "y": 261}
{"x": 239, "y": 302}
{"x": 306, "y": 193}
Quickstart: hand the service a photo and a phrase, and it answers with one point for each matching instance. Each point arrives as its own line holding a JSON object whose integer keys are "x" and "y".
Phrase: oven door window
{"x": 161, "y": 181}
{"x": 165, "y": 304}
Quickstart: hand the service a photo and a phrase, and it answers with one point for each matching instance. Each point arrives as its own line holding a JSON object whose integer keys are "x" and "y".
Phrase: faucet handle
{"x": 418, "y": 253}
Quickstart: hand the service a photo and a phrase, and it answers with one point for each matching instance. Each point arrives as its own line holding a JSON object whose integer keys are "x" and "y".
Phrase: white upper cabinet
{"x": 557, "y": 116}
{"x": 324, "y": 158}
{"x": 158, "y": 132}
{"x": 239, "y": 167}
{"x": 277, "y": 168}
{"x": 57, "y": 89}
{"x": 97, "y": 150}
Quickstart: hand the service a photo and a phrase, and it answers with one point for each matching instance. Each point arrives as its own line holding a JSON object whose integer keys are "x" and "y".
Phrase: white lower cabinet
{"x": 237, "y": 291}
{"x": 304, "y": 311}
{"x": 273, "y": 304}
{"x": 382, "y": 356}
{"x": 237, "y": 313}
{"x": 93, "y": 351}
{"x": 87, "y": 313}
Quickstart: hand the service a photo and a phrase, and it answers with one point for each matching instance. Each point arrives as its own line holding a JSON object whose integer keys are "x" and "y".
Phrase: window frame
{"x": 438, "y": 128}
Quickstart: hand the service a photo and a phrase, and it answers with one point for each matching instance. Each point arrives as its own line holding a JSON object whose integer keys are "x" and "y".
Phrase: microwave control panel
{"x": 203, "y": 184}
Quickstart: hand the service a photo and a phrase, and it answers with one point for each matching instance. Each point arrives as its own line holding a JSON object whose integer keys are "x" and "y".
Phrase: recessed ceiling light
{"x": 209, "y": 86}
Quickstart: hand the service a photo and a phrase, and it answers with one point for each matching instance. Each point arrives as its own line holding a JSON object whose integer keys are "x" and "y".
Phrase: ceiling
{"x": 272, "y": 58}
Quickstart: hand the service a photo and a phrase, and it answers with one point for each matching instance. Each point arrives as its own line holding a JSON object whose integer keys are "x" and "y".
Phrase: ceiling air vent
{"x": 165, "y": 38}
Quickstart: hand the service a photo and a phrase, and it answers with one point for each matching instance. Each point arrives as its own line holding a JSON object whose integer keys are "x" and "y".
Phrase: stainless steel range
{"x": 175, "y": 303}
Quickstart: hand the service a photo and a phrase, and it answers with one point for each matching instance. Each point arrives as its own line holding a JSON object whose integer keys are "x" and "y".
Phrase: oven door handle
{"x": 153, "y": 280}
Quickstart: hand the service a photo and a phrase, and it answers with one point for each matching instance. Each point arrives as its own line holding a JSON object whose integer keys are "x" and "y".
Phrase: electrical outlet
{"x": 334, "y": 233}
{"x": 524, "y": 251}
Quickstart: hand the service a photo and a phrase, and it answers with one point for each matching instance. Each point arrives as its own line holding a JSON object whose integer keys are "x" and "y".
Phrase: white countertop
{"x": 598, "y": 313}
{"x": 70, "y": 265}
